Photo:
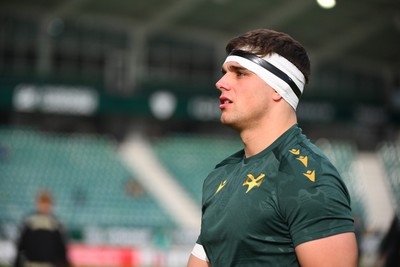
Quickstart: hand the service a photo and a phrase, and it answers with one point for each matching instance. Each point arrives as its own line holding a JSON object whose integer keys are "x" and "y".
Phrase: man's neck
{"x": 259, "y": 138}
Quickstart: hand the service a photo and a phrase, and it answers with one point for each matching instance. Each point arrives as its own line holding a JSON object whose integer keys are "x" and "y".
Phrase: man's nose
{"x": 221, "y": 84}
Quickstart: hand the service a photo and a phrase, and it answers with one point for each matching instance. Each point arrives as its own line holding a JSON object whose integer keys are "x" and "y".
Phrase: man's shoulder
{"x": 42, "y": 221}
{"x": 303, "y": 159}
{"x": 232, "y": 159}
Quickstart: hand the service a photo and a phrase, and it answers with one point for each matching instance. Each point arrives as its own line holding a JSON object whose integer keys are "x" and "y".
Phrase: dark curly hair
{"x": 265, "y": 41}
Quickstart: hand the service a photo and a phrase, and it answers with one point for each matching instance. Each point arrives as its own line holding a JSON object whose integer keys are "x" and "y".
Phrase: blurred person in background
{"x": 279, "y": 201}
{"x": 389, "y": 249}
{"x": 42, "y": 242}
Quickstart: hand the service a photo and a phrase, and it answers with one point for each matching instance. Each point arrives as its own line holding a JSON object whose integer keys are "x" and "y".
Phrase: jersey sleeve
{"x": 316, "y": 206}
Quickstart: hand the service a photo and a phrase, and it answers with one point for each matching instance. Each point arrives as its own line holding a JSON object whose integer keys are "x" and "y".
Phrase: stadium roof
{"x": 360, "y": 35}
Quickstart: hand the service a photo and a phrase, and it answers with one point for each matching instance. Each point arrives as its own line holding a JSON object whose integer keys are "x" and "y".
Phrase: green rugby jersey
{"x": 256, "y": 210}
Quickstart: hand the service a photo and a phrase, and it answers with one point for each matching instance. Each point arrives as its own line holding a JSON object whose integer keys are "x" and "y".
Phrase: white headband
{"x": 282, "y": 76}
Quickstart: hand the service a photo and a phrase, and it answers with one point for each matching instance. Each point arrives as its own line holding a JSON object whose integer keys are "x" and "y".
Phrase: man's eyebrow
{"x": 237, "y": 68}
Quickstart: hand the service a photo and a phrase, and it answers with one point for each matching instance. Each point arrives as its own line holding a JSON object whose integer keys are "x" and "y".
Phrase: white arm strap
{"x": 199, "y": 252}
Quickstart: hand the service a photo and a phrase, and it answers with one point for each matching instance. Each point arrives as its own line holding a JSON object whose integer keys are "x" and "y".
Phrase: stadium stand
{"x": 91, "y": 185}
{"x": 138, "y": 154}
{"x": 190, "y": 157}
{"x": 389, "y": 154}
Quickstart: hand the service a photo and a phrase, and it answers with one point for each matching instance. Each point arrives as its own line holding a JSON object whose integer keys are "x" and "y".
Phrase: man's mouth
{"x": 224, "y": 102}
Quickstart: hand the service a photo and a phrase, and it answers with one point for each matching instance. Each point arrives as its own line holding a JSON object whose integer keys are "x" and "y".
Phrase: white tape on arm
{"x": 199, "y": 252}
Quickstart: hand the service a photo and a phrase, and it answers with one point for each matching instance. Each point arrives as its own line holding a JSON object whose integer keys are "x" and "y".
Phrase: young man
{"x": 42, "y": 242}
{"x": 279, "y": 201}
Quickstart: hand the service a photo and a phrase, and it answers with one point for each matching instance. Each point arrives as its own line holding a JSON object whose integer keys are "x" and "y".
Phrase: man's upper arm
{"x": 196, "y": 262}
{"x": 336, "y": 250}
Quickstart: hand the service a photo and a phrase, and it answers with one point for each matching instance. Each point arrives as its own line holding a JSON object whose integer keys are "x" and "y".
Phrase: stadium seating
{"x": 389, "y": 153}
{"x": 90, "y": 183}
{"x": 190, "y": 158}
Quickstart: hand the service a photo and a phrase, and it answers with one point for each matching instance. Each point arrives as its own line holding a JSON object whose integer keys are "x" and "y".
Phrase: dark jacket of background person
{"x": 42, "y": 241}
{"x": 390, "y": 246}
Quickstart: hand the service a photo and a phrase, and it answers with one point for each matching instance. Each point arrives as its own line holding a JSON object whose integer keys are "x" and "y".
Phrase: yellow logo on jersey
{"x": 310, "y": 175}
{"x": 221, "y": 185}
{"x": 303, "y": 159}
{"x": 295, "y": 151}
{"x": 252, "y": 182}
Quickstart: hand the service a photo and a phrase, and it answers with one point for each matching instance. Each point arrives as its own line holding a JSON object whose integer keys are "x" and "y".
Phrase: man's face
{"x": 44, "y": 207}
{"x": 244, "y": 98}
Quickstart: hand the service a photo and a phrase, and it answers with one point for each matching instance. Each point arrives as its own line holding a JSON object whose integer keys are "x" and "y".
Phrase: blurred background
{"x": 111, "y": 105}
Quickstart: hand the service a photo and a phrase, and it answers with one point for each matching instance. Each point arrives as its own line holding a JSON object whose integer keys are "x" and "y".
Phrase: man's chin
{"x": 229, "y": 123}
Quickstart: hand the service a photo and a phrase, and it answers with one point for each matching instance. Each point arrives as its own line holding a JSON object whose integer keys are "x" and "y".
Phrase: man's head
{"x": 275, "y": 57}
{"x": 44, "y": 202}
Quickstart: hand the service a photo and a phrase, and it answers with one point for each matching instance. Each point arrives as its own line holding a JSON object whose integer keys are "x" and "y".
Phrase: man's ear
{"x": 276, "y": 96}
